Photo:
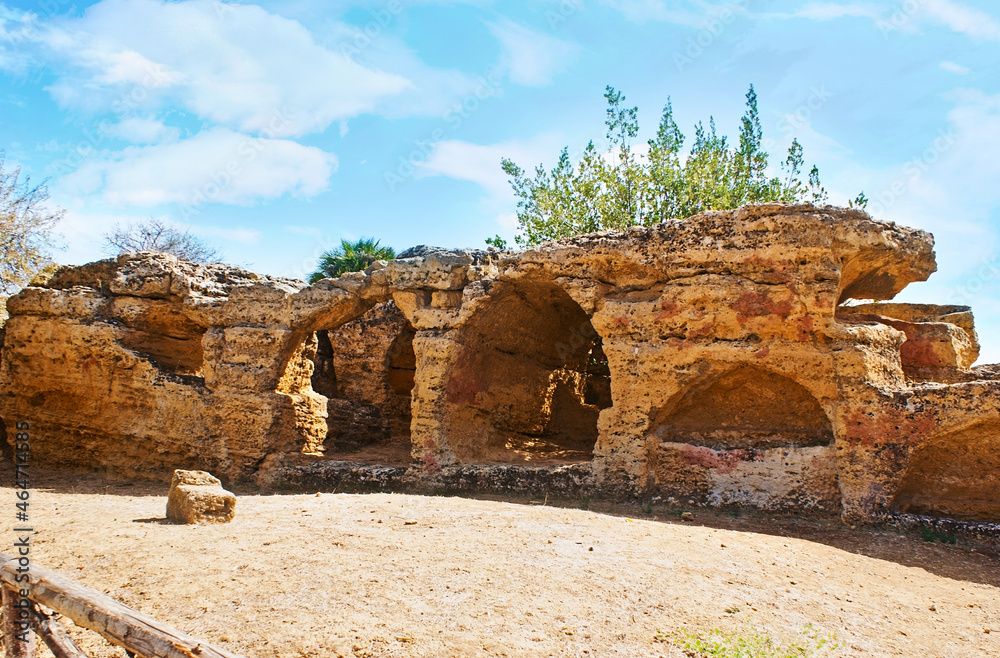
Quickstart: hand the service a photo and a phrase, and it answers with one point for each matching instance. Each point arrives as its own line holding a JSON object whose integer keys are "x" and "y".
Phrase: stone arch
{"x": 747, "y": 436}
{"x": 746, "y": 407}
{"x": 359, "y": 371}
{"x": 529, "y": 380}
{"x": 955, "y": 475}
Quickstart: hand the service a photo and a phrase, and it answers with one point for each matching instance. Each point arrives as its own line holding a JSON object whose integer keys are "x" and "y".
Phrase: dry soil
{"x": 401, "y": 575}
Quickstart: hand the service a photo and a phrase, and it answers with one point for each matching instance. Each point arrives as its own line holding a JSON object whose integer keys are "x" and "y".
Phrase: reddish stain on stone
{"x": 668, "y": 309}
{"x": 887, "y": 427}
{"x": 760, "y": 354}
{"x": 806, "y": 326}
{"x": 722, "y": 461}
{"x": 467, "y": 379}
{"x": 462, "y": 387}
{"x": 701, "y": 331}
{"x": 920, "y": 352}
{"x": 87, "y": 364}
{"x": 757, "y": 304}
{"x": 431, "y": 464}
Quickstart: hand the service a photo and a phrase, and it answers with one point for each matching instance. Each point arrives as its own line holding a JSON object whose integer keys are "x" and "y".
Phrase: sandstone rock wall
{"x": 715, "y": 360}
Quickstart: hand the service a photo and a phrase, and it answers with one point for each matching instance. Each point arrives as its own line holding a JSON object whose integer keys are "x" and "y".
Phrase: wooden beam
{"x": 55, "y": 637}
{"x": 18, "y": 638}
{"x": 118, "y": 623}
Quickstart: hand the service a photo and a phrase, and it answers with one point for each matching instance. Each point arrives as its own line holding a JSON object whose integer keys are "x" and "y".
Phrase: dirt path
{"x": 398, "y": 575}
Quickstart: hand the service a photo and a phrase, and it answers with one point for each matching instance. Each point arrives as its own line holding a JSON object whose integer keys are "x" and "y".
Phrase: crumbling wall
{"x": 365, "y": 369}
{"x": 716, "y": 360}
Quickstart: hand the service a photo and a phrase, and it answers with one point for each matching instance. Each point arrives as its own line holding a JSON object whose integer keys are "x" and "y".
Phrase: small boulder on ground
{"x": 198, "y": 497}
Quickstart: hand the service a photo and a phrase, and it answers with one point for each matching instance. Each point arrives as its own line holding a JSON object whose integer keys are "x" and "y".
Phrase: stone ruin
{"x": 718, "y": 360}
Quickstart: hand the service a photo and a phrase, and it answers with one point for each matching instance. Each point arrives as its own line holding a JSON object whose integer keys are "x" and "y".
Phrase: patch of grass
{"x": 931, "y": 535}
{"x": 747, "y": 642}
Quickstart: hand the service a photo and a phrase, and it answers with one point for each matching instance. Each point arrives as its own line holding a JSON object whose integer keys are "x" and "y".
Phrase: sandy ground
{"x": 398, "y": 575}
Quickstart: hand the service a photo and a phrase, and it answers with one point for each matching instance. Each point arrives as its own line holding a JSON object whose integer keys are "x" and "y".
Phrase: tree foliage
{"x": 350, "y": 257}
{"x": 155, "y": 235}
{"x": 621, "y": 187}
{"x": 26, "y": 226}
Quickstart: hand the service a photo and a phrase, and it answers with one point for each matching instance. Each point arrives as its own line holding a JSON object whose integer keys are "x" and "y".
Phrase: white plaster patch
{"x": 780, "y": 478}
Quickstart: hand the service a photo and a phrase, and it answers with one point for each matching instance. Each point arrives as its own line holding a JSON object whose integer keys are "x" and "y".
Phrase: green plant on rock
{"x": 618, "y": 186}
{"x": 350, "y": 257}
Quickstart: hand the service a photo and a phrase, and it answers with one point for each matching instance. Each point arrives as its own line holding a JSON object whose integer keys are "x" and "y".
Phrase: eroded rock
{"x": 716, "y": 360}
{"x": 198, "y": 497}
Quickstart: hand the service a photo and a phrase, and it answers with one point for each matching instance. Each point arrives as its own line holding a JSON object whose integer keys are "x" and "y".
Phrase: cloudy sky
{"x": 275, "y": 129}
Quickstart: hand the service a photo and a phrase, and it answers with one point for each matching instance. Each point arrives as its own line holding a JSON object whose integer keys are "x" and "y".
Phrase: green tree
{"x": 350, "y": 257}
{"x": 622, "y": 188}
{"x": 26, "y": 229}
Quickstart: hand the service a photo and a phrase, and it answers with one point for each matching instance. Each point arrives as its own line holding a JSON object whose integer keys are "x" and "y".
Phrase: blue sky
{"x": 274, "y": 129}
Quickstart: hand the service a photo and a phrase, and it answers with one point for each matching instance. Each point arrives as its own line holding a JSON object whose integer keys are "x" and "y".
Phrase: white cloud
{"x": 432, "y": 91}
{"x": 946, "y": 187}
{"x": 963, "y": 19}
{"x": 955, "y": 68}
{"x": 641, "y": 11}
{"x": 907, "y": 16}
{"x": 16, "y": 28}
{"x": 230, "y": 64}
{"x": 480, "y": 163}
{"x": 530, "y": 57}
{"x": 824, "y": 11}
{"x": 215, "y": 166}
{"x": 142, "y": 130}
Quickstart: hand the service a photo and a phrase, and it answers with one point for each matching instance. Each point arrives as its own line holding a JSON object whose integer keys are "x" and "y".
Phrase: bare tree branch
{"x": 26, "y": 225}
{"x": 155, "y": 235}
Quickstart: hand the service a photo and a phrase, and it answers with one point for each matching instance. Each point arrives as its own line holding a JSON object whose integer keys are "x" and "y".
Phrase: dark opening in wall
{"x": 365, "y": 368}
{"x": 746, "y": 408}
{"x": 956, "y": 475}
{"x": 6, "y": 449}
{"x": 530, "y": 379}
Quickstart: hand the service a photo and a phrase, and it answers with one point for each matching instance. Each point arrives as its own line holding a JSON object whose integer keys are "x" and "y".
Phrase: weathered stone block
{"x": 198, "y": 497}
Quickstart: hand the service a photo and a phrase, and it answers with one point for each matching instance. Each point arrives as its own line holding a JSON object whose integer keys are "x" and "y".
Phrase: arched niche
{"x": 746, "y": 408}
{"x": 747, "y": 437}
{"x": 529, "y": 381}
{"x": 956, "y": 475}
{"x": 363, "y": 369}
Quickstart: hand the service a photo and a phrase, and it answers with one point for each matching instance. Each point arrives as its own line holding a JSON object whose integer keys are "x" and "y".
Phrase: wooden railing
{"x": 137, "y": 633}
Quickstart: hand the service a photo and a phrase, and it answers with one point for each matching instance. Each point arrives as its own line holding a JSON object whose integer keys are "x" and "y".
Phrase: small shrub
{"x": 747, "y": 642}
{"x": 931, "y": 535}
